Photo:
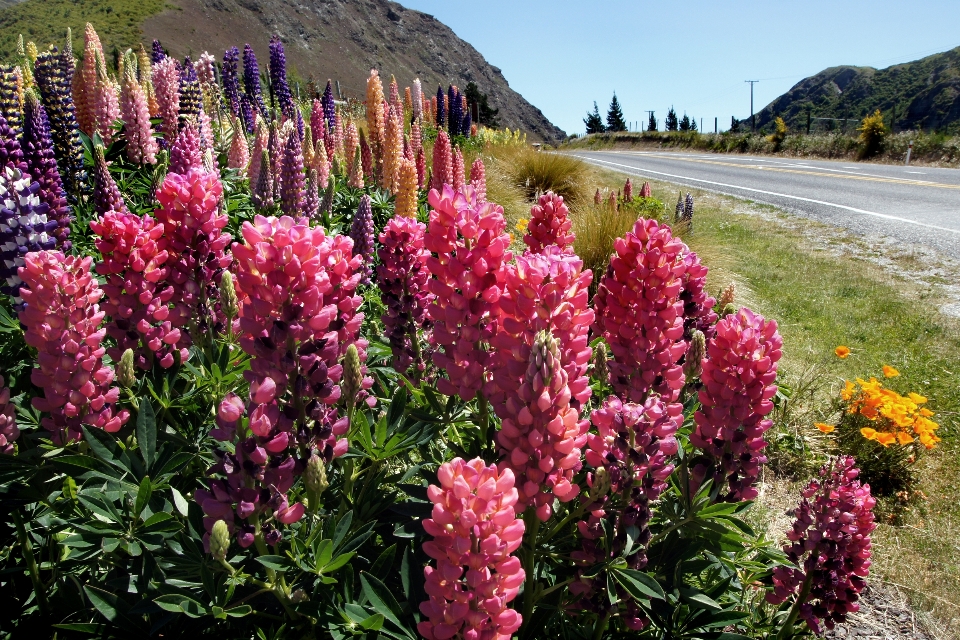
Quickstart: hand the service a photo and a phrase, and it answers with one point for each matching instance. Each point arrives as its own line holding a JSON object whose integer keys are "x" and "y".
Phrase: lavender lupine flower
{"x": 42, "y": 165}
{"x": 246, "y": 112}
{"x": 231, "y": 79}
{"x": 55, "y": 92}
{"x": 24, "y": 227}
{"x": 329, "y": 107}
{"x": 292, "y": 180}
{"x": 262, "y": 194}
{"x": 311, "y": 201}
{"x": 158, "y": 53}
{"x": 441, "y": 112}
{"x": 11, "y": 96}
{"x": 11, "y": 153}
{"x": 467, "y": 124}
{"x": 678, "y": 211}
{"x": 251, "y": 81}
{"x": 191, "y": 99}
{"x": 361, "y": 232}
{"x": 278, "y": 77}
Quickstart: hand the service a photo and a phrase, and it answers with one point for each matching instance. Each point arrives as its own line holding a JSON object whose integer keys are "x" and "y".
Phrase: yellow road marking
{"x": 901, "y": 181}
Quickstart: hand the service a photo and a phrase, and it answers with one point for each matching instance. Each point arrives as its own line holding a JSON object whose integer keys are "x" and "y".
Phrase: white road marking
{"x": 639, "y": 171}
{"x": 920, "y": 173}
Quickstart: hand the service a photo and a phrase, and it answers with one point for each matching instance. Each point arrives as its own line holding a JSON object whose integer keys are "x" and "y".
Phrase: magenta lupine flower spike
{"x": 629, "y": 454}
{"x": 475, "y": 530}
{"x": 478, "y": 180}
{"x": 739, "y": 376}
{"x": 292, "y": 180}
{"x": 186, "y": 153}
{"x": 698, "y": 313}
{"x": 42, "y": 166}
{"x": 193, "y": 230}
{"x": 467, "y": 285}
{"x": 24, "y": 227}
{"x": 640, "y": 313}
{"x": 62, "y": 320}
{"x": 539, "y": 380}
{"x": 645, "y": 190}
{"x": 459, "y": 178}
{"x": 166, "y": 86}
{"x": 402, "y": 279}
{"x": 141, "y": 145}
{"x": 830, "y": 544}
{"x": 8, "y": 421}
{"x": 549, "y": 224}
{"x": 442, "y": 162}
{"x": 628, "y": 191}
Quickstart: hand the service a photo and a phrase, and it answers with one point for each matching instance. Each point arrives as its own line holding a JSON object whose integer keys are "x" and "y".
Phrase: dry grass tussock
{"x": 533, "y": 172}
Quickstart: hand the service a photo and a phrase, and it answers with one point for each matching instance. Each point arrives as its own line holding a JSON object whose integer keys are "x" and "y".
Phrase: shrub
{"x": 779, "y": 133}
{"x": 872, "y": 133}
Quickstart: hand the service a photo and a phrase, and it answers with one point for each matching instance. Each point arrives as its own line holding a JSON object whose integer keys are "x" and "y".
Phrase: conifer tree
{"x": 615, "y": 121}
{"x": 693, "y": 124}
{"x": 685, "y": 123}
{"x": 734, "y": 125}
{"x": 652, "y": 123}
{"x": 593, "y": 121}
{"x": 671, "y": 120}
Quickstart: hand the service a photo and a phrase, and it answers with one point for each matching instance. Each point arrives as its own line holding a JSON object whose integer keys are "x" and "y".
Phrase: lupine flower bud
{"x": 62, "y": 320}
{"x": 549, "y": 225}
{"x": 728, "y": 310}
{"x": 406, "y": 204}
{"x": 219, "y": 540}
{"x": 467, "y": 284}
{"x": 601, "y": 369}
{"x": 8, "y": 421}
{"x": 228, "y": 297}
{"x": 315, "y": 476}
{"x": 402, "y": 278}
{"x": 126, "y": 376}
{"x": 693, "y": 360}
{"x": 474, "y": 532}
{"x": 646, "y": 191}
{"x": 640, "y": 313}
{"x": 739, "y": 382}
{"x": 628, "y": 191}
{"x": 830, "y": 546}
{"x": 352, "y": 376}
{"x": 478, "y": 180}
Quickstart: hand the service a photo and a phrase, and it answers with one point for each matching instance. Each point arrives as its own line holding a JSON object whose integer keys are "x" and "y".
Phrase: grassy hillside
{"x": 45, "y": 22}
{"x": 924, "y": 93}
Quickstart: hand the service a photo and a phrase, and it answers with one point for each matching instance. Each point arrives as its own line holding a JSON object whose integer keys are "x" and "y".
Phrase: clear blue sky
{"x": 695, "y": 55}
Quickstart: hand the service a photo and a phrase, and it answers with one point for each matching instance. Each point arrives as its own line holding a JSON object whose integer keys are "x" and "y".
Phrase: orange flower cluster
{"x": 897, "y": 418}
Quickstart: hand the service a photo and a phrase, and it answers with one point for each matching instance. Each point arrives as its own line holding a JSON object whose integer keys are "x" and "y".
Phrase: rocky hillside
{"x": 924, "y": 93}
{"x": 337, "y": 39}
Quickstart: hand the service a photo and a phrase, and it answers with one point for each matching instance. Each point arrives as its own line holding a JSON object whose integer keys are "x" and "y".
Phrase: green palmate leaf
{"x": 382, "y": 565}
{"x": 373, "y": 623}
{"x": 640, "y": 585}
{"x": 147, "y": 432}
{"x": 105, "y": 447}
{"x": 698, "y": 599}
{"x": 179, "y": 501}
{"x": 176, "y": 603}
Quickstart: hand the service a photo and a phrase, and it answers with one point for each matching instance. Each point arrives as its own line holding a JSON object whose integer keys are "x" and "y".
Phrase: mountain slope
{"x": 338, "y": 39}
{"x": 924, "y": 93}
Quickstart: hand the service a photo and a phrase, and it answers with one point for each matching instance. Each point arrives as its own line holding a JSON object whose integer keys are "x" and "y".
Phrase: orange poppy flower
{"x": 842, "y": 352}
{"x": 826, "y": 428}
{"x": 890, "y": 372}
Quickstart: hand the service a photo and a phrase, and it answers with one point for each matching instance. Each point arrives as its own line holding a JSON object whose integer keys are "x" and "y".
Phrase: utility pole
{"x": 716, "y": 128}
{"x": 753, "y": 121}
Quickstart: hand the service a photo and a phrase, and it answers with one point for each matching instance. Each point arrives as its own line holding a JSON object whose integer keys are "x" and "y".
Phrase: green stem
{"x": 571, "y": 515}
{"x": 532, "y": 523}
{"x": 786, "y": 631}
{"x": 484, "y": 422}
{"x": 32, "y": 567}
{"x": 601, "y": 627}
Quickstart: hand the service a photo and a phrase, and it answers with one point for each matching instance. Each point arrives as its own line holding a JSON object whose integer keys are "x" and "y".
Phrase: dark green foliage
{"x": 693, "y": 124}
{"x": 685, "y": 123}
{"x": 615, "y": 121}
{"x": 671, "y": 122}
{"x": 488, "y": 115}
{"x": 652, "y": 123}
{"x": 734, "y": 125}
{"x": 593, "y": 121}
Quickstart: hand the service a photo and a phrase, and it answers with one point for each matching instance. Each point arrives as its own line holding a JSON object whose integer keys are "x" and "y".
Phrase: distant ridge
{"x": 924, "y": 93}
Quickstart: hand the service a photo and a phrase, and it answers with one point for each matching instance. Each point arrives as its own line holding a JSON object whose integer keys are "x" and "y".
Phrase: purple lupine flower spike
{"x": 292, "y": 181}
{"x": 42, "y": 165}
{"x": 11, "y": 154}
{"x": 158, "y": 53}
{"x": 329, "y": 107}
{"x": 231, "y": 79}
{"x": 441, "y": 112}
{"x": 55, "y": 92}
{"x": 361, "y": 232}
{"x": 106, "y": 194}
{"x": 24, "y": 226}
{"x": 246, "y": 112}
{"x": 278, "y": 77}
{"x": 251, "y": 81}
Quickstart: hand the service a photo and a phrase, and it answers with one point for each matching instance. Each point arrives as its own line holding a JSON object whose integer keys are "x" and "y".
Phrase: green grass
{"x": 118, "y": 23}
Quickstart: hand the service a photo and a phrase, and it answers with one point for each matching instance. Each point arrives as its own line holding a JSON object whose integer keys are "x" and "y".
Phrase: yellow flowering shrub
{"x": 894, "y": 418}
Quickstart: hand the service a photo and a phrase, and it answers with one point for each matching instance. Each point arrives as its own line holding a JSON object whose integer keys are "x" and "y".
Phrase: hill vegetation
{"x": 923, "y": 94}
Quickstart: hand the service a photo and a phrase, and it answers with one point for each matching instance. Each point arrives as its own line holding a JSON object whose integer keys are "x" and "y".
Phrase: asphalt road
{"x": 918, "y": 205}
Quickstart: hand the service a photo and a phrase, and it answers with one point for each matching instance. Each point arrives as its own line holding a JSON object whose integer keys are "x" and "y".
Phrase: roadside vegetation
{"x": 823, "y": 301}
